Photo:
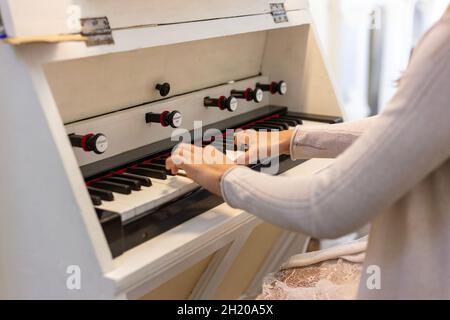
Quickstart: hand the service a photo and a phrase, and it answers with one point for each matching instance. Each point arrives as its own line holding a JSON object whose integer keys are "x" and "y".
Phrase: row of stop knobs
{"x": 98, "y": 143}
{"x": 256, "y": 95}
{"x": 230, "y": 103}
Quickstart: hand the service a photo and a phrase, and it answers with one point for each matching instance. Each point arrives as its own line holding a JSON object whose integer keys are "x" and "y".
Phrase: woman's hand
{"x": 261, "y": 145}
{"x": 205, "y": 166}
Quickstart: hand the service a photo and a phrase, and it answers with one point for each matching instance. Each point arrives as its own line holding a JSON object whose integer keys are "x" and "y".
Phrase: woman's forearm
{"x": 326, "y": 141}
{"x": 406, "y": 143}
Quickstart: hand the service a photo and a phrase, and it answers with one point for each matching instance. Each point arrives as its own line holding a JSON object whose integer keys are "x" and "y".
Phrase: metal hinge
{"x": 97, "y": 30}
{"x": 278, "y": 12}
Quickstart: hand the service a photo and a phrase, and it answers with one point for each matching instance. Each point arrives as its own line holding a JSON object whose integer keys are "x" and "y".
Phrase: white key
{"x": 148, "y": 198}
{"x": 180, "y": 182}
{"x": 120, "y": 205}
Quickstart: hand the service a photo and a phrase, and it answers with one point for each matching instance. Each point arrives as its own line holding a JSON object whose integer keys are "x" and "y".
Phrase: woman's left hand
{"x": 205, "y": 166}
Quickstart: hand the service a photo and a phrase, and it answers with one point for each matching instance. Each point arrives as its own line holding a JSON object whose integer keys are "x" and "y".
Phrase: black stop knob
{"x": 163, "y": 89}
{"x": 223, "y": 103}
{"x": 249, "y": 94}
{"x": 274, "y": 87}
{"x": 166, "y": 118}
{"x": 97, "y": 143}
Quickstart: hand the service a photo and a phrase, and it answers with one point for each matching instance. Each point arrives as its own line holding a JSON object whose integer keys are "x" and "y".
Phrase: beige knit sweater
{"x": 392, "y": 170}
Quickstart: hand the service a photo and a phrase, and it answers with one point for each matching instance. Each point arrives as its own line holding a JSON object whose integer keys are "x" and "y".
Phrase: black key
{"x": 152, "y": 165}
{"x": 103, "y": 194}
{"x": 157, "y": 174}
{"x": 134, "y": 185}
{"x": 282, "y": 121}
{"x": 288, "y": 116}
{"x": 266, "y": 163}
{"x": 96, "y": 200}
{"x": 156, "y": 166}
{"x": 215, "y": 139}
{"x": 279, "y": 123}
{"x": 144, "y": 181}
{"x": 206, "y": 143}
{"x": 272, "y": 126}
{"x": 291, "y": 123}
{"x": 260, "y": 128}
{"x": 211, "y": 139}
{"x": 315, "y": 117}
{"x": 285, "y": 116}
{"x": 112, "y": 186}
{"x": 160, "y": 161}
{"x": 269, "y": 126}
{"x": 298, "y": 120}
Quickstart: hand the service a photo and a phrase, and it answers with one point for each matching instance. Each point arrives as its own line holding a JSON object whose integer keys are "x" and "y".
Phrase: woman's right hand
{"x": 260, "y": 145}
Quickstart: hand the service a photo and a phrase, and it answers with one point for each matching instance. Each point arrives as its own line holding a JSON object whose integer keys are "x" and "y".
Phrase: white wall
{"x": 344, "y": 28}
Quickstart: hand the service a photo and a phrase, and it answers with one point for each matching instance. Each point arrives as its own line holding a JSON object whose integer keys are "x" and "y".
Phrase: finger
{"x": 243, "y": 158}
{"x": 180, "y": 156}
{"x": 212, "y": 155}
{"x": 181, "y": 148}
{"x": 181, "y": 163}
{"x": 186, "y": 165}
{"x": 172, "y": 165}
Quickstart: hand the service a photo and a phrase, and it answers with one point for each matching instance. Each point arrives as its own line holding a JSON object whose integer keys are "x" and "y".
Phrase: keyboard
{"x": 142, "y": 188}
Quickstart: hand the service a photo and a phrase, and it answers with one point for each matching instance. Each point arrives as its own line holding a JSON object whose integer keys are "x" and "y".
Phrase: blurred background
{"x": 368, "y": 44}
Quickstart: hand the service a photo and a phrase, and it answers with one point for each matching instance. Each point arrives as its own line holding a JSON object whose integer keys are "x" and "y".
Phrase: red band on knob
{"x": 161, "y": 118}
{"x": 272, "y": 87}
{"x": 247, "y": 94}
{"x": 84, "y": 141}
{"x": 220, "y": 102}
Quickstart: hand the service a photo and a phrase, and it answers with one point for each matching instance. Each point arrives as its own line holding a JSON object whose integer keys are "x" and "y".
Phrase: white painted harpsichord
{"x": 60, "y": 77}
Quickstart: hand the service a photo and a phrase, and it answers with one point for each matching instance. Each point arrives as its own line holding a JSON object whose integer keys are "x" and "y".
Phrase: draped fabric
{"x": 331, "y": 274}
